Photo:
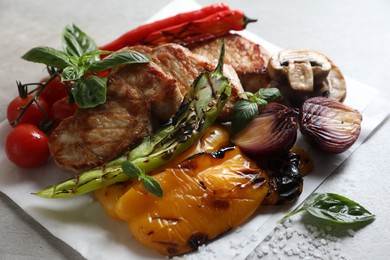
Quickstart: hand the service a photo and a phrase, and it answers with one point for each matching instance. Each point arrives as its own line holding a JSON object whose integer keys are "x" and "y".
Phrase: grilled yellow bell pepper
{"x": 215, "y": 138}
{"x": 204, "y": 196}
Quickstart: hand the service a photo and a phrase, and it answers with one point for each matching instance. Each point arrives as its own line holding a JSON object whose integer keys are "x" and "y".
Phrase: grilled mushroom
{"x": 334, "y": 87}
{"x": 301, "y": 74}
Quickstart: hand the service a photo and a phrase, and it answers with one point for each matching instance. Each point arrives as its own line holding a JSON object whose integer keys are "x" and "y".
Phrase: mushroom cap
{"x": 301, "y": 74}
{"x": 301, "y": 69}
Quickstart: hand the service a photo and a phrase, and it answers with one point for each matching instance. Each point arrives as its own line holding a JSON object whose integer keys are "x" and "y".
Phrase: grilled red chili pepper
{"x": 135, "y": 36}
{"x": 206, "y": 28}
{"x": 206, "y": 23}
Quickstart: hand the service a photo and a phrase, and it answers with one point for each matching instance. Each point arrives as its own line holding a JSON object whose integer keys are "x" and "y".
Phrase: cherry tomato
{"x": 62, "y": 109}
{"x": 27, "y": 146}
{"x": 33, "y": 115}
{"x": 54, "y": 90}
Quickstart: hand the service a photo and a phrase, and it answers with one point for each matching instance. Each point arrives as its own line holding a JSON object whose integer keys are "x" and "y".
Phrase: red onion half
{"x": 329, "y": 125}
{"x": 272, "y": 132}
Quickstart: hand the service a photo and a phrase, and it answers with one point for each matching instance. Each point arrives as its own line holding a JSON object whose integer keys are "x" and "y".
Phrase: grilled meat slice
{"x": 184, "y": 66}
{"x": 247, "y": 58}
{"x": 140, "y": 86}
{"x": 97, "y": 135}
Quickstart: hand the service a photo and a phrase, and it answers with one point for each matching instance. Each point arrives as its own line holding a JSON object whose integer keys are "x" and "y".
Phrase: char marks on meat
{"x": 138, "y": 95}
{"x": 248, "y": 59}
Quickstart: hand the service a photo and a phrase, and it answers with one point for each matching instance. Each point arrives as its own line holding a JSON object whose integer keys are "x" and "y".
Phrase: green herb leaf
{"x": 76, "y": 43}
{"x": 89, "y": 58}
{"x": 90, "y": 92}
{"x": 131, "y": 169}
{"x": 72, "y": 73}
{"x": 244, "y": 111}
{"x": 268, "y": 94}
{"x": 117, "y": 58}
{"x": 152, "y": 186}
{"x": 48, "y": 56}
{"x": 334, "y": 208}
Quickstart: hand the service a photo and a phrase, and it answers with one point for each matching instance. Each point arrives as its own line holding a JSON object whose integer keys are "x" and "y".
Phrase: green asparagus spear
{"x": 198, "y": 111}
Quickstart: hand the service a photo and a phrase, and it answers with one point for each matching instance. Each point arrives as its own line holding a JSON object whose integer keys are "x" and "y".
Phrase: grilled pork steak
{"x": 184, "y": 66}
{"x": 137, "y": 96}
{"x": 247, "y": 58}
{"x": 97, "y": 135}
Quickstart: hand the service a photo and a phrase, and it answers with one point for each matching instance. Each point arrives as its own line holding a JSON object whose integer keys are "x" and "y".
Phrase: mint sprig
{"x": 148, "y": 182}
{"x": 245, "y": 110}
{"x": 78, "y": 62}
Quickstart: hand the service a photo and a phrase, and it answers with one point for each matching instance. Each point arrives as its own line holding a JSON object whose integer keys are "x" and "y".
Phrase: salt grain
{"x": 351, "y": 232}
{"x": 265, "y": 249}
{"x": 317, "y": 253}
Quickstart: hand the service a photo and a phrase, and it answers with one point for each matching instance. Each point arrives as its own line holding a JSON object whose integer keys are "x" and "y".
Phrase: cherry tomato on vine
{"x": 62, "y": 109}
{"x": 32, "y": 115}
{"x": 27, "y": 146}
{"x": 54, "y": 90}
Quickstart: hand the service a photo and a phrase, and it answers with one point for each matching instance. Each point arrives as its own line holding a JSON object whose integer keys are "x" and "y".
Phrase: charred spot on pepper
{"x": 202, "y": 185}
{"x": 219, "y": 203}
{"x": 286, "y": 182}
{"x": 197, "y": 239}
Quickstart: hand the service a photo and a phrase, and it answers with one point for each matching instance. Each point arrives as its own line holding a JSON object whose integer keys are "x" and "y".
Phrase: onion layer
{"x": 272, "y": 132}
{"x": 328, "y": 125}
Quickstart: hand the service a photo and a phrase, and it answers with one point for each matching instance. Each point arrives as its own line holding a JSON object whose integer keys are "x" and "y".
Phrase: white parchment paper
{"x": 82, "y": 224}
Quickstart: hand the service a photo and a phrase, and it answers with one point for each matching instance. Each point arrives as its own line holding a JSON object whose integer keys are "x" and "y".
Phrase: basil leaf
{"x": 49, "y": 56}
{"x": 117, "y": 58}
{"x": 90, "y": 57}
{"x": 334, "y": 208}
{"x": 268, "y": 94}
{"x": 244, "y": 111}
{"x": 72, "y": 73}
{"x": 131, "y": 170}
{"x": 90, "y": 92}
{"x": 152, "y": 186}
{"x": 76, "y": 43}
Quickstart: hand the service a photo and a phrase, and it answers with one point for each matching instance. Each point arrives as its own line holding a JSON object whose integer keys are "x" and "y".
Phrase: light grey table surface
{"x": 354, "y": 33}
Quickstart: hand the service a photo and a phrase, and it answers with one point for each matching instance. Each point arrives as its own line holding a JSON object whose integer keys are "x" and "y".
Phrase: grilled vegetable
{"x": 286, "y": 182}
{"x": 207, "y": 23}
{"x": 215, "y": 138}
{"x": 301, "y": 74}
{"x": 330, "y": 126}
{"x": 273, "y": 131}
{"x": 198, "y": 111}
{"x": 204, "y": 196}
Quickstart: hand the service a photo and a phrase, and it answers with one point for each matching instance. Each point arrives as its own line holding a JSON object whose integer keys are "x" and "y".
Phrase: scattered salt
{"x": 310, "y": 242}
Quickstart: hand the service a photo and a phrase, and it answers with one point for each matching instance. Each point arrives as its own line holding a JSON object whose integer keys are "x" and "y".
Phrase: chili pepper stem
{"x": 248, "y": 20}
